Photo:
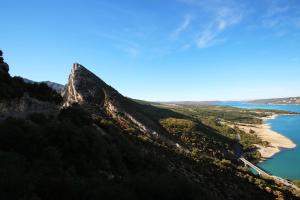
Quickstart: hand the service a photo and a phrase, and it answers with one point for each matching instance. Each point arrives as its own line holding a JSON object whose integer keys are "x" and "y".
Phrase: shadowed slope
{"x": 88, "y": 90}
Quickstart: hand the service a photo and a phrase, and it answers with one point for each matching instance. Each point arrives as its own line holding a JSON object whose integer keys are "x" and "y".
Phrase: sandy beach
{"x": 276, "y": 140}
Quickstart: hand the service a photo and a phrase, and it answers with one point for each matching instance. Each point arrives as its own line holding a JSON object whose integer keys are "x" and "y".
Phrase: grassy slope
{"x": 216, "y": 117}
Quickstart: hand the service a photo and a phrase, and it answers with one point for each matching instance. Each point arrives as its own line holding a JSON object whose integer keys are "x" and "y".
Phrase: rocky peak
{"x": 84, "y": 87}
{"x": 88, "y": 90}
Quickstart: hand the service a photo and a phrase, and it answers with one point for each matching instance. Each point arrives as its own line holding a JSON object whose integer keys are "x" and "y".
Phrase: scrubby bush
{"x": 15, "y": 88}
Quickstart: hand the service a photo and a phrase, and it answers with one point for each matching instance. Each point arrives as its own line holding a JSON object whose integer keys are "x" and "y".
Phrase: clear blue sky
{"x": 159, "y": 49}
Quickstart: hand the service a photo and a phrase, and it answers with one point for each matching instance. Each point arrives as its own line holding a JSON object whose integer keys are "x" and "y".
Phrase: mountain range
{"x": 55, "y": 86}
{"x": 287, "y": 100}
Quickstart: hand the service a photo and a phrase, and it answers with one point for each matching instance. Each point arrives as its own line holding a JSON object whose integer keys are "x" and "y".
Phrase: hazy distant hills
{"x": 190, "y": 103}
{"x": 288, "y": 100}
{"x": 55, "y": 86}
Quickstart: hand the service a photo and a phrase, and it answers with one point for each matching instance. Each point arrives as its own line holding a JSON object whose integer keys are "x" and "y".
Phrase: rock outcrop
{"x": 25, "y": 106}
{"x": 4, "y": 67}
{"x": 18, "y": 103}
{"x": 86, "y": 89}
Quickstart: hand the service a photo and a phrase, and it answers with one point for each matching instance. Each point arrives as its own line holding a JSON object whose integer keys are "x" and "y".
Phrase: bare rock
{"x": 25, "y": 106}
{"x": 88, "y": 90}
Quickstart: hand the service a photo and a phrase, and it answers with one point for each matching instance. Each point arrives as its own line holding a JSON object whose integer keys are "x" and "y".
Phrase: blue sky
{"x": 160, "y": 49}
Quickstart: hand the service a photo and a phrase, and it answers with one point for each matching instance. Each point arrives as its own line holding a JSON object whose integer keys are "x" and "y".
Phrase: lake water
{"x": 291, "y": 108}
{"x": 286, "y": 163}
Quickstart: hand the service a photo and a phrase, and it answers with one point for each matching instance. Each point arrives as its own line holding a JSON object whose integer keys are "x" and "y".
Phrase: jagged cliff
{"x": 88, "y": 90}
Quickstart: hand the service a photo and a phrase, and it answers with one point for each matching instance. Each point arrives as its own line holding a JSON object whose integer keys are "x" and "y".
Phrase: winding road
{"x": 258, "y": 170}
{"x": 265, "y": 174}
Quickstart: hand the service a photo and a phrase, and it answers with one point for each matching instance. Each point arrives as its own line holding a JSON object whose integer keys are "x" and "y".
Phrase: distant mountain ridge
{"x": 287, "y": 100}
{"x": 189, "y": 103}
{"x": 55, "y": 86}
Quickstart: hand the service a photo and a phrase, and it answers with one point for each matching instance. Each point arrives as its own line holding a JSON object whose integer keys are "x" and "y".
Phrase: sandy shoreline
{"x": 276, "y": 140}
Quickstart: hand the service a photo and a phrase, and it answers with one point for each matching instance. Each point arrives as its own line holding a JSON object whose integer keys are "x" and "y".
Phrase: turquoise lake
{"x": 286, "y": 163}
{"x": 291, "y": 108}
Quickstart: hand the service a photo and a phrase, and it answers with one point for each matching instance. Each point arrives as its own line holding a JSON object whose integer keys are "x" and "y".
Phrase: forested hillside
{"x": 77, "y": 153}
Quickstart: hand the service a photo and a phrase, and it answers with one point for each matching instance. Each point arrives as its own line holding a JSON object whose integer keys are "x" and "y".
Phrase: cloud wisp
{"x": 182, "y": 27}
{"x": 215, "y": 17}
{"x": 131, "y": 48}
{"x": 223, "y": 18}
{"x": 205, "y": 24}
{"x": 281, "y": 16}
{"x": 206, "y": 39}
{"x": 133, "y": 51}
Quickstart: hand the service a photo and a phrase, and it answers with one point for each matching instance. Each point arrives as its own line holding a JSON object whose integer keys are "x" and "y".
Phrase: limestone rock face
{"x": 21, "y": 107}
{"x": 25, "y": 106}
{"x": 86, "y": 89}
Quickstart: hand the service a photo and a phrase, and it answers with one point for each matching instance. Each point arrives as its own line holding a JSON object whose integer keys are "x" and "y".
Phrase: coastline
{"x": 276, "y": 140}
{"x": 277, "y": 104}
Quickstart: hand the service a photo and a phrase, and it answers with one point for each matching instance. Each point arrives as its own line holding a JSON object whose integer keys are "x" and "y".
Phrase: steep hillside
{"x": 72, "y": 156}
{"x": 86, "y": 89}
{"x": 102, "y": 145}
{"x": 20, "y": 99}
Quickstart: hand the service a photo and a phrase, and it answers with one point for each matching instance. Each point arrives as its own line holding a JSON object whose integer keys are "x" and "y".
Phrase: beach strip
{"x": 276, "y": 140}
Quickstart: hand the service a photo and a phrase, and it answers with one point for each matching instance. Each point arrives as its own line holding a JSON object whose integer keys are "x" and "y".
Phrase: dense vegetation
{"x": 208, "y": 120}
{"x": 199, "y": 138}
{"x": 238, "y": 115}
{"x": 188, "y": 122}
{"x": 15, "y": 87}
{"x": 73, "y": 156}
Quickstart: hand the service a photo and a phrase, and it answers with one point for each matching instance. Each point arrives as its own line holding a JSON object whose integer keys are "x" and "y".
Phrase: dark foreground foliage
{"x": 15, "y": 88}
{"x": 74, "y": 157}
